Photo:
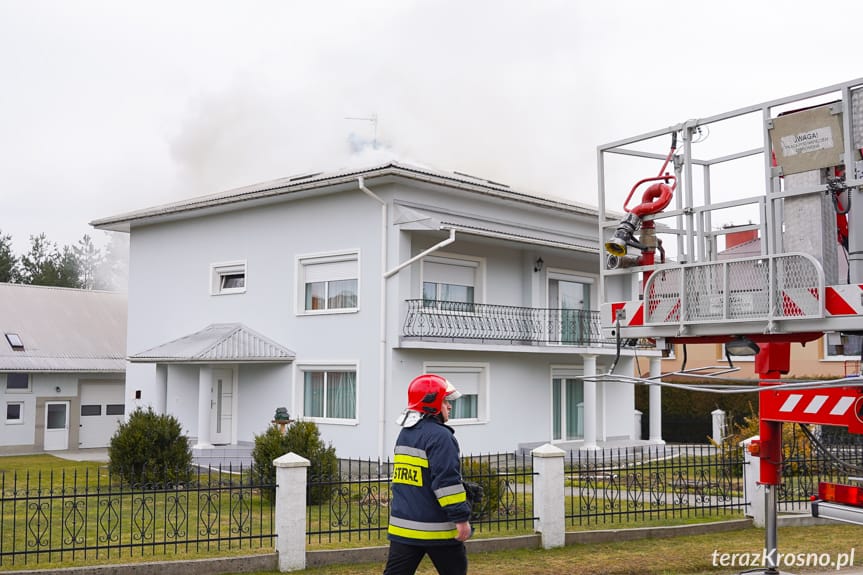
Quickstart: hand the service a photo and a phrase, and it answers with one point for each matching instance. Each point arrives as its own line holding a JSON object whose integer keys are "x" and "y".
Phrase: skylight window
{"x": 15, "y": 341}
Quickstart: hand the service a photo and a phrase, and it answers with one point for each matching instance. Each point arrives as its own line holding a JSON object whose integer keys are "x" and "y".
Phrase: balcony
{"x": 434, "y": 320}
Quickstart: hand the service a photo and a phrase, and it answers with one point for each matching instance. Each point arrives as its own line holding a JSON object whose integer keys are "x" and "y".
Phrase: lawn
{"x": 686, "y": 555}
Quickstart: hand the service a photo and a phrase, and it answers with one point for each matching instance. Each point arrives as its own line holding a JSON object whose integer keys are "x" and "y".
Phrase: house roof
{"x": 293, "y": 186}
{"x": 218, "y": 342}
{"x": 62, "y": 329}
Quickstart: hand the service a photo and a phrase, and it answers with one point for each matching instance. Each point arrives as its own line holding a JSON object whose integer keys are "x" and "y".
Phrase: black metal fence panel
{"x": 57, "y": 516}
{"x": 355, "y": 505}
{"x": 804, "y": 465}
{"x": 660, "y": 482}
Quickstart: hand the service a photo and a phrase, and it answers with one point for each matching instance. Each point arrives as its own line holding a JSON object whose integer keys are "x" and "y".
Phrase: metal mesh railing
{"x": 453, "y": 321}
{"x": 760, "y": 288}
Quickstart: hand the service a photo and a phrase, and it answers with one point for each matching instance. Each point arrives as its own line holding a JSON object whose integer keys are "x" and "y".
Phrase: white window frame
{"x": 218, "y": 273}
{"x": 20, "y": 419}
{"x": 445, "y": 258}
{"x": 483, "y": 401}
{"x": 308, "y": 260}
{"x": 835, "y": 358}
{"x": 300, "y": 378}
{"x": 562, "y": 372}
{"x": 28, "y": 389}
{"x": 573, "y": 277}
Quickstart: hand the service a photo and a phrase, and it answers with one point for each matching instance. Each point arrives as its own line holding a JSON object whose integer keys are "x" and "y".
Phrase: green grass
{"x": 683, "y": 555}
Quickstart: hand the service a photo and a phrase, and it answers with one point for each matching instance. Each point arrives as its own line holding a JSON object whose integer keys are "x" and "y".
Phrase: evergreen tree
{"x": 8, "y": 260}
{"x": 45, "y": 265}
{"x": 89, "y": 259}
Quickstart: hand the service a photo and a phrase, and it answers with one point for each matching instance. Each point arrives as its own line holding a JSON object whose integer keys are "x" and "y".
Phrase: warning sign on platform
{"x": 811, "y": 141}
{"x": 807, "y": 140}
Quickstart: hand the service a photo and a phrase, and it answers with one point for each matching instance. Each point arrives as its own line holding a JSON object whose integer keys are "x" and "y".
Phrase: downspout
{"x": 434, "y": 248}
{"x": 382, "y": 385}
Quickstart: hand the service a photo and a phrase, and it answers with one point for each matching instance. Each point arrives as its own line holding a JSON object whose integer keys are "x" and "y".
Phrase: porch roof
{"x": 218, "y": 343}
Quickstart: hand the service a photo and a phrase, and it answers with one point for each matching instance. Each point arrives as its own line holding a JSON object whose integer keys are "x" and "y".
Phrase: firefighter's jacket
{"x": 428, "y": 494}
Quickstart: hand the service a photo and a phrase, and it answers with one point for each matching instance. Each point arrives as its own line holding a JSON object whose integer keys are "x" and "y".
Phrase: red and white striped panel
{"x": 800, "y": 302}
{"x": 834, "y": 406}
{"x": 843, "y": 300}
{"x": 633, "y": 314}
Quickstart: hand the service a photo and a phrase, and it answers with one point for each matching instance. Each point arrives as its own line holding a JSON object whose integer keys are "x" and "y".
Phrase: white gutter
{"x": 434, "y": 248}
{"x": 382, "y": 385}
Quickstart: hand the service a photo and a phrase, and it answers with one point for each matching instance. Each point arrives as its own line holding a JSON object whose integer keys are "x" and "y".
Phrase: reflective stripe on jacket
{"x": 428, "y": 494}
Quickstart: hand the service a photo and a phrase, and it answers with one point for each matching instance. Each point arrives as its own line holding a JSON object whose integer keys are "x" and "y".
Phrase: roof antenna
{"x": 374, "y": 120}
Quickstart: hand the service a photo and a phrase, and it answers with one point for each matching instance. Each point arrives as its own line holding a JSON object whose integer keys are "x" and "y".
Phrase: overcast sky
{"x": 109, "y": 106}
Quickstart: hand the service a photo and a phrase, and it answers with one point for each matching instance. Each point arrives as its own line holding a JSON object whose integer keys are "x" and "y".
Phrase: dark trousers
{"x": 404, "y": 559}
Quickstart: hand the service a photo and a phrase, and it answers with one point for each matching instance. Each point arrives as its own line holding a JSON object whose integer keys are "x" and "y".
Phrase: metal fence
{"x": 659, "y": 482}
{"x": 804, "y": 466}
{"x": 355, "y": 505}
{"x": 450, "y": 320}
{"x": 55, "y": 516}
{"x": 73, "y": 517}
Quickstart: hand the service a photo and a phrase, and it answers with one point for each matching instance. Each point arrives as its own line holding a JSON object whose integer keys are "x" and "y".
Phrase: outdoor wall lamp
{"x": 742, "y": 346}
{"x": 538, "y": 266}
{"x": 57, "y": 389}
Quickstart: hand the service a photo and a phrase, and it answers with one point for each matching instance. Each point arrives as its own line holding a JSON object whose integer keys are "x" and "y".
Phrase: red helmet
{"x": 426, "y": 393}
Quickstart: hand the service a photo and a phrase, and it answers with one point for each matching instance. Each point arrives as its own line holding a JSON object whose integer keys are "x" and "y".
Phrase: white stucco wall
{"x": 169, "y": 298}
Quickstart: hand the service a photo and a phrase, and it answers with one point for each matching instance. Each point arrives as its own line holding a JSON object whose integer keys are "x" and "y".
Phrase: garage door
{"x": 102, "y": 408}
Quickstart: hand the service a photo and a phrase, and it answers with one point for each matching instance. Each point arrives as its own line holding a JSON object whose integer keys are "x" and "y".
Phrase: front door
{"x": 56, "y": 426}
{"x": 569, "y": 299}
{"x": 221, "y": 406}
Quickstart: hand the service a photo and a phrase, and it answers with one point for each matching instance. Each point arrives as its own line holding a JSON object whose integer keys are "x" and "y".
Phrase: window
{"x": 471, "y": 380}
{"x": 91, "y": 410}
{"x": 15, "y": 341}
{"x": 19, "y": 382}
{"x": 844, "y": 347}
{"x": 115, "y": 409}
{"x": 15, "y": 412}
{"x": 330, "y": 283}
{"x": 330, "y": 394}
{"x": 450, "y": 283}
{"x": 228, "y": 278}
{"x": 567, "y": 405}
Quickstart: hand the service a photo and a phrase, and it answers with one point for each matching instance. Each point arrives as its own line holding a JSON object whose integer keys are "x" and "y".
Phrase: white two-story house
{"x": 327, "y": 293}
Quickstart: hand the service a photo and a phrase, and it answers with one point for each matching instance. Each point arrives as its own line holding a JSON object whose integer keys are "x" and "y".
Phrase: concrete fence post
{"x": 548, "y": 495}
{"x": 753, "y": 493}
{"x": 719, "y": 430}
{"x": 290, "y": 519}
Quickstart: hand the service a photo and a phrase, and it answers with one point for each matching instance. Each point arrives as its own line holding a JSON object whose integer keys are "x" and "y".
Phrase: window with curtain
{"x": 330, "y": 394}
{"x": 471, "y": 381}
{"x": 449, "y": 283}
{"x": 850, "y": 348}
{"x": 567, "y": 396}
{"x": 330, "y": 283}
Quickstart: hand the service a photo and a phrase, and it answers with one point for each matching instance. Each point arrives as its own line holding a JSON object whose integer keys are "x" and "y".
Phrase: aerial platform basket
{"x": 802, "y": 271}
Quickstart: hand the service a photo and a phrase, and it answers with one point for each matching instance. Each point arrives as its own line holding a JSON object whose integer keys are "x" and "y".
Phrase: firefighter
{"x": 429, "y": 512}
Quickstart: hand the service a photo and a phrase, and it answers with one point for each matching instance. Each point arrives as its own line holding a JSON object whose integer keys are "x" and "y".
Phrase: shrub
{"x": 482, "y": 472}
{"x": 304, "y": 439}
{"x": 150, "y": 448}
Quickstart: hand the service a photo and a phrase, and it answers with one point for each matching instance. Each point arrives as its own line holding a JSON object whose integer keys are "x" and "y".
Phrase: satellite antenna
{"x": 374, "y": 120}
